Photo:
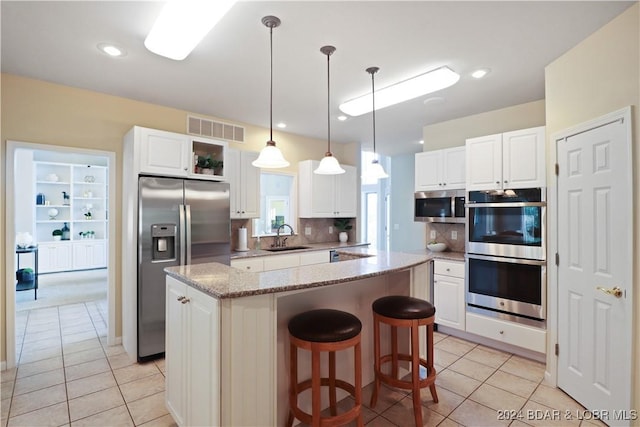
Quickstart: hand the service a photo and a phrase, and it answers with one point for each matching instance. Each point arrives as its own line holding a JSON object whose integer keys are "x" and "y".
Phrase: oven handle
{"x": 505, "y": 205}
{"x": 511, "y": 260}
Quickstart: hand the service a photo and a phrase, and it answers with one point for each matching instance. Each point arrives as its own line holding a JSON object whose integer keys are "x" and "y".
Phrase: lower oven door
{"x": 509, "y": 285}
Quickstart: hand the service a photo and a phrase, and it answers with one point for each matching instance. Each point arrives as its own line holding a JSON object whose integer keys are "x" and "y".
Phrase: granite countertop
{"x": 222, "y": 281}
{"x": 308, "y": 248}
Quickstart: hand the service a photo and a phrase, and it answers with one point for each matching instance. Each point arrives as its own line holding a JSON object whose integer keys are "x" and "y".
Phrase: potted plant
{"x": 57, "y": 234}
{"x": 206, "y": 165}
{"x": 343, "y": 225}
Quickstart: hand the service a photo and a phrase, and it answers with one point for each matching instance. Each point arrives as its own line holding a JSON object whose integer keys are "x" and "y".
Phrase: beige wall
{"x": 598, "y": 76}
{"x": 39, "y": 112}
{"x": 453, "y": 133}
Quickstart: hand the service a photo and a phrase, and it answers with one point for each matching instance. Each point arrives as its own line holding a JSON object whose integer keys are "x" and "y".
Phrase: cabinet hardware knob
{"x": 242, "y": 211}
{"x": 448, "y": 269}
{"x": 248, "y": 267}
{"x": 180, "y": 298}
{"x": 505, "y": 181}
{"x": 497, "y": 182}
{"x": 501, "y": 332}
{"x": 186, "y": 300}
{"x": 186, "y": 169}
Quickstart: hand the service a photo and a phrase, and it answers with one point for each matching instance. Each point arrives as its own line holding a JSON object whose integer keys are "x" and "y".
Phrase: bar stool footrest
{"x": 334, "y": 420}
{"x": 406, "y": 384}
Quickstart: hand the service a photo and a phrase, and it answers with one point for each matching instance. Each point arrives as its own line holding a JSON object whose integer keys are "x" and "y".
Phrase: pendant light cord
{"x": 271, "y": 84}
{"x": 328, "y": 106}
{"x": 373, "y": 100}
{"x": 372, "y": 71}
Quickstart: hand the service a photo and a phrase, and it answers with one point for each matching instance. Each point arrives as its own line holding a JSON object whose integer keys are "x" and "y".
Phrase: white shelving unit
{"x": 79, "y": 194}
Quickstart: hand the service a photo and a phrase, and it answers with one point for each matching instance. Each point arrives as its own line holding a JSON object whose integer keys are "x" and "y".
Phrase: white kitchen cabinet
{"x": 508, "y": 160}
{"x": 173, "y": 154}
{"x": 254, "y": 264}
{"x": 54, "y": 257}
{"x": 327, "y": 196}
{"x": 440, "y": 169}
{"x": 316, "y": 257}
{"x": 244, "y": 181}
{"x": 89, "y": 254}
{"x": 192, "y": 355}
{"x": 507, "y": 332}
{"x": 448, "y": 293}
{"x": 277, "y": 262}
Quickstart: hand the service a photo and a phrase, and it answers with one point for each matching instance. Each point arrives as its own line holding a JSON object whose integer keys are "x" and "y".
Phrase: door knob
{"x": 615, "y": 291}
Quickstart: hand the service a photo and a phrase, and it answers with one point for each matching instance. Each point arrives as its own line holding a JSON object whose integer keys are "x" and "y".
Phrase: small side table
{"x": 28, "y": 284}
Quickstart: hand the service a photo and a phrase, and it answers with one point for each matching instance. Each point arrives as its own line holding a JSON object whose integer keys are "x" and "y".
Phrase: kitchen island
{"x": 226, "y": 343}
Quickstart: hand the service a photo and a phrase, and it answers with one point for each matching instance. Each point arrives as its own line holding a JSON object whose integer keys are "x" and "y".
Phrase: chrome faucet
{"x": 283, "y": 243}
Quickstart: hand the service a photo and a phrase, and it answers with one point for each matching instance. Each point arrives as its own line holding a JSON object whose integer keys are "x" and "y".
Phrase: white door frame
{"x": 551, "y": 373}
{"x": 10, "y": 291}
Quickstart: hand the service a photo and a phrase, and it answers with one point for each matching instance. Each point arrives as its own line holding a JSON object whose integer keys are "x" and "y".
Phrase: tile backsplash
{"x": 319, "y": 228}
{"x": 444, "y": 235}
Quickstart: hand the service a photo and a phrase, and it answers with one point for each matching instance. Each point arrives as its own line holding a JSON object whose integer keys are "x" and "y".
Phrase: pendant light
{"x": 329, "y": 165}
{"x": 270, "y": 156}
{"x": 375, "y": 170}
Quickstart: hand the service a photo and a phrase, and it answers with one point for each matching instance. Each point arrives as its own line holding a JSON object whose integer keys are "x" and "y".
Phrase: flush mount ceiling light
{"x": 329, "y": 165}
{"x": 480, "y": 73}
{"x": 111, "y": 50}
{"x": 282, "y": 125}
{"x": 183, "y": 24}
{"x": 270, "y": 156}
{"x": 375, "y": 169}
{"x": 423, "y": 84}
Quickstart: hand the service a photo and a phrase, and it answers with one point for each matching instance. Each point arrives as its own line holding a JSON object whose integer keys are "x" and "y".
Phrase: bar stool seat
{"x": 324, "y": 330}
{"x": 405, "y": 312}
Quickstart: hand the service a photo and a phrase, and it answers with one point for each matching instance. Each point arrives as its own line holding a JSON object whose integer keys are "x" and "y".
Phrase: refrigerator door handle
{"x": 182, "y": 234}
{"x": 188, "y": 233}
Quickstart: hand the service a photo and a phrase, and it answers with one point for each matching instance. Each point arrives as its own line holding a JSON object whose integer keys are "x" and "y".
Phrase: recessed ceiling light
{"x": 405, "y": 90}
{"x": 342, "y": 118}
{"x": 111, "y": 50}
{"x": 282, "y": 125}
{"x": 480, "y": 73}
{"x": 421, "y": 142}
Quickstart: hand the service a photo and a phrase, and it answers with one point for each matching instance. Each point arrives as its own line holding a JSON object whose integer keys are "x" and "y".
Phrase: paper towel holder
{"x": 242, "y": 240}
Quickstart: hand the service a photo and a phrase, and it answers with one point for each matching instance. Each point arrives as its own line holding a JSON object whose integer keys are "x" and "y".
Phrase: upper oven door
{"x": 506, "y": 227}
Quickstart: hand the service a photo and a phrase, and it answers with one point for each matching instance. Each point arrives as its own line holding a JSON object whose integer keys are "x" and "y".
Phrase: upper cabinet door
{"x": 164, "y": 153}
{"x": 484, "y": 162}
{"x": 346, "y": 204}
{"x": 523, "y": 158}
{"x": 428, "y": 173}
{"x": 250, "y": 194}
{"x": 453, "y": 168}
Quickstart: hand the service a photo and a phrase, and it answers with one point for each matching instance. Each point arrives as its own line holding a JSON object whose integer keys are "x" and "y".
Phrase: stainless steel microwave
{"x": 440, "y": 206}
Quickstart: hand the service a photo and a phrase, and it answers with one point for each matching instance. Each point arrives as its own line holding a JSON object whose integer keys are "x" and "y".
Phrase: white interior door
{"x": 595, "y": 247}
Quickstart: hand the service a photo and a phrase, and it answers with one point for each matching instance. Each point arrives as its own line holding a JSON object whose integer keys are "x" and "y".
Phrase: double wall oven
{"x": 506, "y": 254}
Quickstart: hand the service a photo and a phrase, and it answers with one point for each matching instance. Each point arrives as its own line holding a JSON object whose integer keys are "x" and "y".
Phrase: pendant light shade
{"x": 375, "y": 169}
{"x": 329, "y": 165}
{"x": 270, "y": 156}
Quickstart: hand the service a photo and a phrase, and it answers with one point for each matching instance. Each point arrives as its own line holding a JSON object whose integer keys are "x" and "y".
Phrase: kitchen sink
{"x": 286, "y": 248}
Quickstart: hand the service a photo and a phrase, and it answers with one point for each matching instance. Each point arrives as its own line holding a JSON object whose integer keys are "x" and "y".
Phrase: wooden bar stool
{"x": 404, "y": 312}
{"x": 324, "y": 330}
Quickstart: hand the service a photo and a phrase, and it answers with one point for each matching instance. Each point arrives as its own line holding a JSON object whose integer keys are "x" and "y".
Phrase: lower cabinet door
{"x": 448, "y": 297}
{"x": 89, "y": 255}
{"x": 192, "y": 355}
{"x": 175, "y": 351}
{"x": 54, "y": 257}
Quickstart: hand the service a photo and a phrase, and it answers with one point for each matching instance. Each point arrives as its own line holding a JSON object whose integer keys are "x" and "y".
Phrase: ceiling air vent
{"x": 212, "y": 129}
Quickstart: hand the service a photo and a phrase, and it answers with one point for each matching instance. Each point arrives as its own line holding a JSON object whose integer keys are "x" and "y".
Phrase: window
{"x": 277, "y": 202}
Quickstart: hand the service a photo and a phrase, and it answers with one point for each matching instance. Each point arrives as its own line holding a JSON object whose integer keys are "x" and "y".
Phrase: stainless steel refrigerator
{"x": 180, "y": 222}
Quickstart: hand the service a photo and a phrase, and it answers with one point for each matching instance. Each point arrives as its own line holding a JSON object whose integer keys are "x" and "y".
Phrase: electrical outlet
{"x": 432, "y": 234}
{"x": 454, "y": 235}
{"x": 330, "y": 230}
{"x": 307, "y": 231}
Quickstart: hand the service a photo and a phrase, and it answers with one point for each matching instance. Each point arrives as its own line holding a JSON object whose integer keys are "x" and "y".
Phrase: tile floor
{"x": 67, "y": 375}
